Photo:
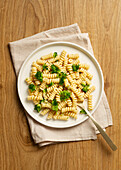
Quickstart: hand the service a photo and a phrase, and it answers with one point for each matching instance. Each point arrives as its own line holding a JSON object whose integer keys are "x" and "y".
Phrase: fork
{"x": 103, "y": 133}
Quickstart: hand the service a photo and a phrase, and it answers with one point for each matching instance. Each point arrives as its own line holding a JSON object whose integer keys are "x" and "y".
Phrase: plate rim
{"x": 82, "y": 50}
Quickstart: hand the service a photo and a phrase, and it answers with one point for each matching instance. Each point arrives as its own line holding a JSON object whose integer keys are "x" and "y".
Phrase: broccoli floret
{"x": 42, "y": 101}
{"x": 85, "y": 88}
{"x": 64, "y": 95}
{"x": 38, "y": 76}
{"x": 83, "y": 111}
{"x": 54, "y": 69}
{"x": 45, "y": 67}
{"x": 49, "y": 85}
{"x": 75, "y": 67}
{"x": 83, "y": 84}
{"x": 55, "y": 54}
{"x": 56, "y": 60}
{"x": 62, "y": 76}
{"x": 37, "y": 107}
{"x": 32, "y": 87}
{"x": 55, "y": 105}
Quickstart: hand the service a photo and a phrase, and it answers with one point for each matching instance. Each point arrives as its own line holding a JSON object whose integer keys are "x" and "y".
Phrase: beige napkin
{"x": 41, "y": 134}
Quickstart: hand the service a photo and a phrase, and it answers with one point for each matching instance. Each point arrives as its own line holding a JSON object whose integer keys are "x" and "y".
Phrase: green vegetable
{"x": 38, "y": 76}
{"x": 83, "y": 84}
{"x": 56, "y": 60}
{"x": 37, "y": 107}
{"x": 32, "y": 87}
{"x": 75, "y": 67}
{"x": 45, "y": 67}
{"x": 54, "y": 69}
{"x": 85, "y": 88}
{"x": 64, "y": 95}
{"x": 42, "y": 101}
{"x": 62, "y": 76}
{"x": 55, "y": 105}
{"x": 55, "y": 54}
{"x": 45, "y": 90}
{"x": 83, "y": 111}
{"x": 49, "y": 85}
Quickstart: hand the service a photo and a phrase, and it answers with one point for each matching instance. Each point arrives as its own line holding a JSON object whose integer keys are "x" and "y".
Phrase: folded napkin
{"x": 41, "y": 134}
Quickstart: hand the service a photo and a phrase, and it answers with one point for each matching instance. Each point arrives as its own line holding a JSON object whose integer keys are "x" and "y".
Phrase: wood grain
{"x": 22, "y": 18}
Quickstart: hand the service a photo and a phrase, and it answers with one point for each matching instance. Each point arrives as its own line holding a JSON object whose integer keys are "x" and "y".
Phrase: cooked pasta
{"x": 57, "y": 83}
{"x": 29, "y": 80}
{"x": 41, "y": 62}
{"x": 90, "y": 102}
{"x": 44, "y": 112}
{"x": 47, "y": 56}
{"x": 74, "y": 56}
{"x": 61, "y": 117}
{"x": 62, "y": 56}
{"x": 85, "y": 66}
{"x": 68, "y": 109}
{"x": 90, "y": 91}
{"x": 66, "y": 83}
{"x": 69, "y": 102}
{"x": 71, "y": 114}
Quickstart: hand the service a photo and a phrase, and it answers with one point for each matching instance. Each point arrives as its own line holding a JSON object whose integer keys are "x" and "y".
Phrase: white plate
{"x": 85, "y": 57}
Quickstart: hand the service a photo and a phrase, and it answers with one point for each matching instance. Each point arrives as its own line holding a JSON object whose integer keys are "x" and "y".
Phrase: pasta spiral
{"x": 69, "y": 102}
{"x": 85, "y": 66}
{"x": 53, "y": 94}
{"x": 68, "y": 109}
{"x": 41, "y": 62}
{"x": 29, "y": 80}
{"x": 48, "y": 105}
{"x": 61, "y": 105}
{"x": 62, "y": 56}
{"x": 73, "y": 56}
{"x": 44, "y": 112}
{"x": 48, "y": 56}
{"x": 67, "y": 84}
{"x": 51, "y": 76}
{"x": 90, "y": 102}
{"x": 71, "y": 114}
{"x": 33, "y": 71}
{"x": 61, "y": 117}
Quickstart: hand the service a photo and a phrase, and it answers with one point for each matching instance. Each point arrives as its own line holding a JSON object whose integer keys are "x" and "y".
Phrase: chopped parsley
{"x": 83, "y": 111}
{"x": 64, "y": 95}
{"x": 85, "y": 88}
{"x": 54, "y": 69}
{"x": 75, "y": 67}
{"x": 32, "y": 87}
{"x": 45, "y": 67}
{"x": 54, "y": 105}
{"x": 45, "y": 90}
{"x": 62, "y": 76}
{"x": 37, "y": 107}
{"x": 55, "y": 54}
{"x": 49, "y": 85}
{"x": 38, "y": 76}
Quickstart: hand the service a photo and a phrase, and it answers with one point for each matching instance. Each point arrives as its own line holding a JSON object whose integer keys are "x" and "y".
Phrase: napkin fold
{"x": 44, "y": 135}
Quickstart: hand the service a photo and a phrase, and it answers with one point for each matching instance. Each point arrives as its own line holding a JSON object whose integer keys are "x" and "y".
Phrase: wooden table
{"x": 22, "y": 18}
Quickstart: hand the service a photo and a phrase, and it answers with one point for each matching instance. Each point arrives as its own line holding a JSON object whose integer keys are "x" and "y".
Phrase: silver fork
{"x": 103, "y": 133}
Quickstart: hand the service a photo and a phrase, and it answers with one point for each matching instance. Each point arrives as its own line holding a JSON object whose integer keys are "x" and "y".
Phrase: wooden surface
{"x": 22, "y": 18}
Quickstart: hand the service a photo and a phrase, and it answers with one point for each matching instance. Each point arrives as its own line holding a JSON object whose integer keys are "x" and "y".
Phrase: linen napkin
{"x": 41, "y": 134}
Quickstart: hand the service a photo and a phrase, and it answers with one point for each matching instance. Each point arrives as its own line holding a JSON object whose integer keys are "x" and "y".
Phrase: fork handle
{"x": 103, "y": 133}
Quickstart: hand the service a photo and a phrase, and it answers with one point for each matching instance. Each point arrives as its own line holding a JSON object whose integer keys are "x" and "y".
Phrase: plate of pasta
{"x": 54, "y": 79}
